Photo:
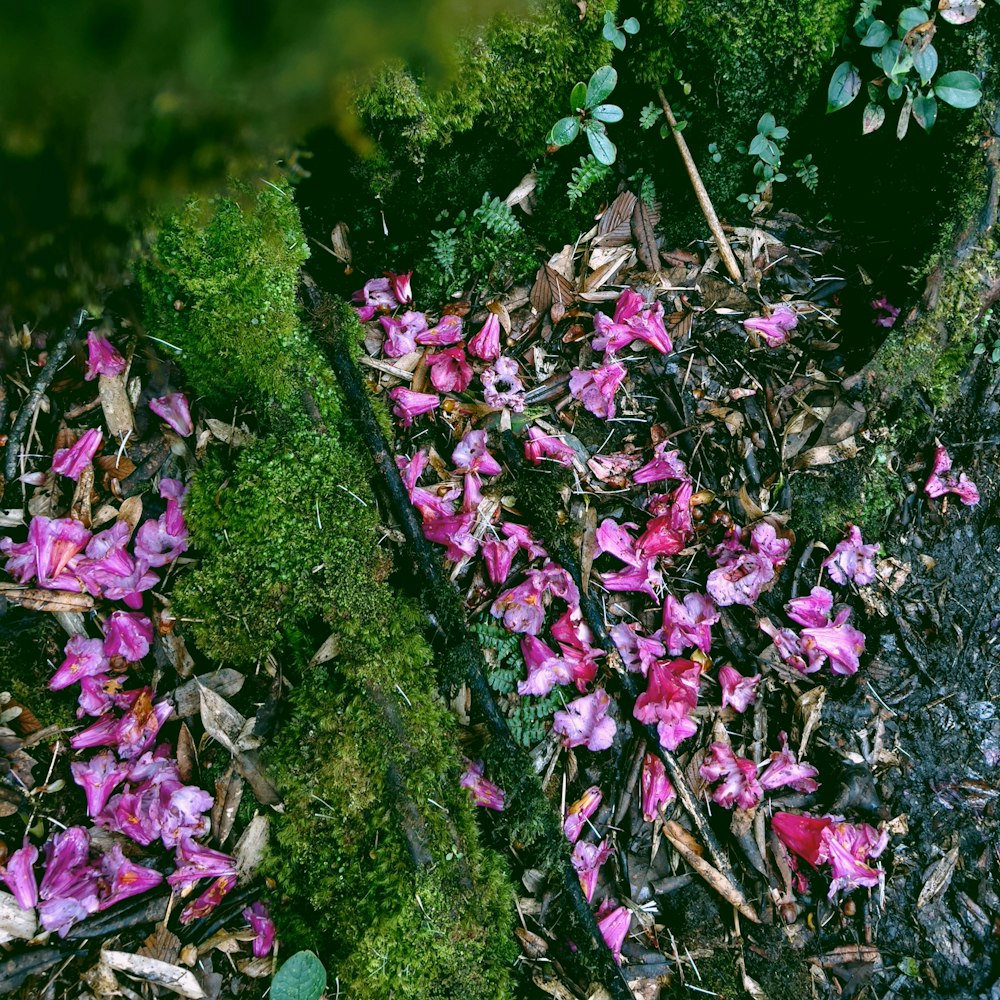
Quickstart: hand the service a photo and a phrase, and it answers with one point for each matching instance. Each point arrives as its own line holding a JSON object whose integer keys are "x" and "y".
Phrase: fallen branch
{"x": 704, "y": 202}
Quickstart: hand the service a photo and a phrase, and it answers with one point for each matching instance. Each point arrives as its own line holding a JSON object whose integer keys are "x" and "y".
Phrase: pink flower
{"x": 642, "y": 575}
{"x": 586, "y": 722}
{"x": 783, "y": 769}
{"x": 656, "y": 788}
{"x": 448, "y": 331}
{"x": 841, "y": 642}
{"x": 68, "y": 890}
{"x": 545, "y": 669}
{"x": 788, "y": 646}
{"x": 631, "y": 322}
{"x": 455, "y": 531}
{"x": 98, "y": 777}
{"x": 84, "y": 658}
{"x": 737, "y": 691}
{"x": 587, "y": 860}
{"x": 523, "y": 607}
{"x": 580, "y": 811}
{"x": 524, "y": 539}
{"x": 885, "y": 312}
{"x": 851, "y": 559}
{"x": 774, "y": 328}
{"x": 499, "y": 555}
{"x": 102, "y": 358}
{"x": 737, "y": 777}
{"x": 49, "y": 553}
{"x": 541, "y": 445}
{"x": 19, "y": 876}
{"x": 502, "y": 387}
{"x": 127, "y": 634}
{"x": 195, "y": 862}
{"x": 669, "y": 699}
{"x": 410, "y": 404}
{"x": 401, "y": 333}
{"x": 70, "y": 462}
{"x": 400, "y": 285}
{"x": 472, "y": 455}
{"x": 262, "y": 925}
{"x": 485, "y": 345}
{"x": 802, "y": 834}
{"x": 411, "y": 469}
{"x": 102, "y": 733}
{"x": 138, "y": 727}
{"x": 450, "y": 372}
{"x": 638, "y": 652}
{"x": 596, "y": 388}
{"x": 814, "y": 610}
{"x": 124, "y": 878}
{"x": 377, "y": 296}
{"x": 484, "y": 792}
{"x": 161, "y": 541}
{"x": 744, "y": 573}
{"x": 173, "y": 408}
{"x": 614, "y": 929}
{"x": 689, "y": 623}
{"x": 110, "y": 571}
{"x": 665, "y": 464}
{"x": 940, "y": 480}
{"x": 209, "y": 899}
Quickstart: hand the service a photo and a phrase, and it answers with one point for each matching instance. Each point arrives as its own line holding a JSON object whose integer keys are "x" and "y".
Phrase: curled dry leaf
{"x": 117, "y": 406}
{"x": 46, "y": 600}
{"x": 223, "y": 723}
{"x": 171, "y": 977}
{"x": 235, "y": 437}
{"x": 187, "y": 698}
{"x": 15, "y": 923}
{"x": 228, "y": 795}
{"x": 250, "y": 847}
{"x": 938, "y": 878}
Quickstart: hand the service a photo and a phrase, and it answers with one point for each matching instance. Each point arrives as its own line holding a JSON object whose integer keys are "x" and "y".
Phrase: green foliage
{"x": 987, "y": 324}
{"x": 649, "y": 115}
{"x": 768, "y": 146}
{"x": 302, "y": 977}
{"x": 585, "y": 175}
{"x": 807, "y": 172}
{"x": 496, "y": 217}
{"x": 645, "y": 187}
{"x": 590, "y": 115}
{"x": 618, "y": 34}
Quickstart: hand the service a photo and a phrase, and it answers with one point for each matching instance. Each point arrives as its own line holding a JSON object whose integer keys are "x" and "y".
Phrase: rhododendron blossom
{"x": 638, "y": 652}
{"x": 812, "y": 611}
{"x": 401, "y": 333}
{"x": 631, "y": 321}
{"x": 454, "y": 531}
{"x": 586, "y": 722}
{"x": 738, "y": 692}
{"x": 581, "y": 811}
{"x": 941, "y": 480}
{"x": 410, "y": 404}
{"x": 51, "y": 553}
{"x": 84, "y": 658}
{"x": 669, "y": 699}
{"x": 173, "y": 408}
{"x": 484, "y": 792}
{"x": 102, "y": 357}
{"x": 540, "y": 446}
{"x": 851, "y": 559}
{"x": 737, "y": 778}
{"x": 642, "y": 575}
{"x": 70, "y": 462}
{"x": 614, "y": 926}
{"x": 587, "y": 860}
{"x": 688, "y": 623}
{"x": 377, "y": 295}
{"x": 523, "y": 607}
{"x": 447, "y": 332}
{"x": 501, "y": 386}
{"x": 666, "y": 463}
{"x": 98, "y": 777}
{"x": 840, "y": 642}
{"x": 596, "y": 388}
{"x": 498, "y": 553}
{"x": 783, "y": 769}
{"x": 127, "y": 634}
{"x": 743, "y": 573}
{"x": 400, "y": 285}
{"x": 545, "y": 668}
{"x": 774, "y": 328}
{"x": 657, "y": 791}
{"x": 450, "y": 372}
{"x": 485, "y": 345}
{"x": 261, "y": 924}
{"x": 885, "y": 312}
{"x": 19, "y": 876}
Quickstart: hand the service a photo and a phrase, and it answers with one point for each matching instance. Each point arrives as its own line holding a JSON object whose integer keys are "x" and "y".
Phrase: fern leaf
{"x": 589, "y": 172}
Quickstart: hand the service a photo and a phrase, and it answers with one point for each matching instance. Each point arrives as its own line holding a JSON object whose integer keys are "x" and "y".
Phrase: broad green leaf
{"x": 960, "y": 89}
{"x": 757, "y": 144}
{"x": 631, "y": 25}
{"x": 904, "y": 118}
{"x": 894, "y": 58}
{"x": 601, "y": 84}
{"x": 910, "y": 18}
{"x": 844, "y": 87}
{"x": 779, "y": 133}
{"x": 578, "y": 98}
{"x": 302, "y": 977}
{"x": 873, "y": 93}
{"x": 959, "y": 11}
{"x": 926, "y": 63}
{"x": 681, "y": 125}
{"x": 609, "y": 31}
{"x": 873, "y": 118}
{"x": 766, "y": 123}
{"x": 618, "y": 41}
{"x": 877, "y": 35}
{"x": 602, "y": 147}
{"x": 895, "y": 91}
{"x": 925, "y": 111}
{"x": 609, "y": 17}
{"x": 608, "y": 113}
{"x": 780, "y": 178}
{"x": 564, "y": 131}
{"x": 770, "y": 153}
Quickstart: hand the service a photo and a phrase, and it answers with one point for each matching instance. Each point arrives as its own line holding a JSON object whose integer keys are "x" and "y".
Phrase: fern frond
{"x": 497, "y": 216}
{"x": 589, "y": 172}
{"x": 649, "y": 114}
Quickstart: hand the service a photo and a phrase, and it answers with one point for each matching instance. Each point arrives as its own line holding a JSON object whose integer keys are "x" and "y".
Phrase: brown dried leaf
{"x": 533, "y": 945}
{"x": 339, "y": 243}
{"x": 228, "y": 433}
{"x": 615, "y": 226}
{"x": 46, "y": 600}
{"x": 938, "y": 878}
{"x": 116, "y": 405}
{"x": 251, "y": 846}
{"x": 250, "y": 766}
{"x": 645, "y": 238}
{"x": 256, "y": 968}
{"x": 326, "y": 652}
{"x": 130, "y": 511}
{"x": 162, "y": 944}
{"x": 228, "y": 795}
{"x": 223, "y": 723}
{"x": 500, "y": 311}
{"x": 844, "y": 421}
{"x": 523, "y": 194}
{"x": 827, "y": 454}
{"x": 172, "y": 977}
{"x": 187, "y": 754}
{"x": 187, "y": 698}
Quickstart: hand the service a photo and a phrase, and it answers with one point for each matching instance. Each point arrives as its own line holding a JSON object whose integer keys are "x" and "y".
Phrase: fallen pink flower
{"x": 196, "y": 861}
{"x": 124, "y": 878}
{"x": 596, "y": 388}
{"x": 581, "y": 811}
{"x": 941, "y": 481}
{"x": 485, "y": 345}
{"x": 472, "y": 455}
{"x": 587, "y": 860}
{"x": 68, "y": 890}
{"x": 672, "y": 511}
{"x": 262, "y": 926}
{"x": 98, "y": 777}
{"x": 812, "y": 611}
{"x": 401, "y": 333}
{"x": 162, "y": 540}
{"x": 49, "y": 553}
{"x": 173, "y": 408}
{"x": 669, "y": 699}
{"x": 410, "y": 404}
{"x": 586, "y": 722}
{"x": 501, "y": 386}
{"x": 851, "y": 559}
{"x": 774, "y": 328}
{"x": 738, "y": 692}
{"x": 84, "y": 658}
{"x": 885, "y": 312}
{"x": 688, "y": 623}
{"x": 744, "y": 573}
{"x": 788, "y": 646}
{"x": 642, "y": 576}
{"x": 541, "y": 445}
{"x": 657, "y": 791}
{"x": 545, "y": 668}
{"x": 102, "y": 358}
{"x": 377, "y": 296}
{"x": 70, "y": 462}
{"x": 783, "y": 769}
{"x": 138, "y": 727}
{"x": 484, "y": 792}
{"x": 450, "y": 372}
{"x": 631, "y": 322}
{"x": 523, "y": 607}
{"x": 109, "y": 570}
{"x": 737, "y": 776}
{"x": 614, "y": 927}
{"x": 454, "y": 531}
{"x": 638, "y": 652}
{"x": 666, "y": 463}
{"x": 127, "y": 634}
{"x": 19, "y": 876}
{"x": 447, "y": 332}
{"x": 499, "y": 556}
{"x": 411, "y": 469}
{"x": 524, "y": 538}
{"x": 839, "y": 641}
{"x": 400, "y": 285}
{"x": 209, "y": 899}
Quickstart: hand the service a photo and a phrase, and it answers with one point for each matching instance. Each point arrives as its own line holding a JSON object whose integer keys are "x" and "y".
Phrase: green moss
{"x": 27, "y": 647}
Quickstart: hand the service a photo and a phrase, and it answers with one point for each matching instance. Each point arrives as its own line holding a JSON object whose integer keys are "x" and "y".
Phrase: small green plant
{"x": 302, "y": 977}
{"x": 713, "y": 148}
{"x": 982, "y": 347}
{"x": 617, "y": 34}
{"x": 590, "y": 115}
{"x": 585, "y": 175}
{"x": 807, "y": 172}
{"x": 649, "y": 115}
{"x": 768, "y": 146}
{"x": 907, "y": 61}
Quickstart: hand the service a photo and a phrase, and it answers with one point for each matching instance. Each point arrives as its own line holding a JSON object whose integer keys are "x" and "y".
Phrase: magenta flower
{"x": 98, "y": 777}
{"x": 524, "y": 538}
{"x": 49, "y": 553}
{"x": 262, "y": 926}
{"x": 377, "y": 296}
{"x": 669, "y": 699}
{"x": 941, "y": 481}
{"x": 410, "y": 404}
{"x": 19, "y": 876}
{"x": 499, "y": 555}
{"x": 541, "y": 445}
{"x": 851, "y": 559}
{"x": 502, "y": 387}
{"x": 411, "y": 469}
{"x": 631, "y": 322}
{"x": 545, "y": 669}
{"x": 596, "y": 388}
{"x": 182, "y": 809}
{"x": 657, "y": 791}
{"x": 774, "y": 328}
{"x": 738, "y": 692}
{"x": 665, "y": 464}
{"x": 614, "y": 928}
{"x": 689, "y": 623}
{"x": 885, "y": 312}
{"x": 450, "y": 372}
{"x": 69, "y": 887}
{"x": 138, "y": 727}
{"x": 196, "y": 861}
{"x": 102, "y": 358}
{"x": 84, "y": 658}
{"x": 127, "y": 634}
{"x": 783, "y": 769}
{"x": 102, "y": 733}
{"x": 401, "y": 333}
{"x": 400, "y": 285}
{"x": 455, "y": 531}
{"x": 484, "y": 792}
{"x": 209, "y": 899}
{"x": 586, "y": 722}
{"x": 485, "y": 345}
{"x": 638, "y": 652}
{"x": 737, "y": 777}
{"x": 161, "y": 541}
{"x": 124, "y": 878}
{"x": 523, "y": 607}
{"x": 812, "y": 611}
{"x": 788, "y": 646}
{"x": 173, "y": 408}
{"x": 70, "y": 462}
{"x": 842, "y": 643}
{"x": 580, "y": 811}
{"x": 109, "y": 570}
{"x": 472, "y": 455}
{"x": 587, "y": 860}
{"x": 642, "y": 576}
{"x": 744, "y": 573}
{"x": 448, "y": 331}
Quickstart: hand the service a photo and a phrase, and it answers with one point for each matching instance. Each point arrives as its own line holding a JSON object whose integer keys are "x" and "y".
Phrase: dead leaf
{"x": 171, "y": 977}
{"x": 162, "y": 944}
{"x": 533, "y": 945}
{"x": 15, "y": 923}
{"x": 46, "y": 600}
{"x": 500, "y": 311}
{"x": 250, "y": 848}
{"x": 228, "y": 795}
{"x": 845, "y": 420}
{"x": 614, "y": 229}
{"x": 130, "y": 512}
{"x": 938, "y": 878}
{"x": 326, "y": 652}
{"x": 187, "y": 698}
{"x": 235, "y": 437}
{"x": 187, "y": 754}
{"x": 116, "y": 405}
{"x": 250, "y": 766}
{"x": 223, "y": 723}
{"x": 606, "y": 264}
{"x": 552, "y": 986}
{"x": 256, "y": 968}
{"x": 339, "y": 243}
{"x": 552, "y": 292}
{"x": 645, "y": 238}
{"x": 810, "y": 708}
{"x": 827, "y": 454}
{"x": 523, "y": 194}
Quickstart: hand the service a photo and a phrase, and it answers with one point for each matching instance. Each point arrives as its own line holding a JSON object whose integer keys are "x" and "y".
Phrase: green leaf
{"x": 578, "y": 98}
{"x": 608, "y": 113}
{"x": 894, "y": 58}
{"x": 895, "y": 91}
{"x": 618, "y": 41}
{"x": 681, "y": 125}
{"x": 780, "y": 178}
{"x": 302, "y": 977}
{"x": 603, "y": 148}
{"x": 766, "y": 123}
{"x": 926, "y": 63}
{"x": 631, "y": 25}
{"x": 601, "y": 84}
{"x": 564, "y": 131}
{"x": 959, "y": 88}
{"x": 717, "y": 157}
{"x": 610, "y": 30}
{"x": 609, "y": 17}
{"x": 873, "y": 118}
{"x": 925, "y": 111}
{"x": 770, "y": 153}
{"x": 904, "y": 118}
{"x": 845, "y": 85}
{"x": 909, "y": 966}
{"x": 757, "y": 144}
{"x": 910, "y": 18}
{"x": 780, "y": 133}
{"x": 877, "y": 35}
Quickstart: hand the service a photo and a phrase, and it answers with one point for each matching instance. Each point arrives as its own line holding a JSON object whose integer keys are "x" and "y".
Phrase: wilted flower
{"x": 783, "y": 769}
{"x": 450, "y": 372}
{"x": 98, "y": 777}
{"x": 788, "y": 646}
{"x": 84, "y": 658}
{"x": 737, "y": 691}
{"x": 737, "y": 777}
{"x": 400, "y": 285}
{"x": 448, "y": 331}
{"x": 614, "y": 929}
{"x": 688, "y": 623}
{"x": 580, "y": 811}
{"x": 524, "y": 539}
{"x": 941, "y": 481}
{"x": 19, "y": 876}
{"x": 377, "y": 296}
{"x": 484, "y": 792}
{"x": 587, "y": 860}
{"x": 127, "y": 634}
{"x": 523, "y": 607}
{"x": 70, "y": 462}
{"x": 173, "y": 408}
{"x": 596, "y": 388}
{"x": 744, "y": 573}
{"x": 410, "y": 404}
{"x": 669, "y": 699}
{"x": 839, "y": 641}
{"x": 455, "y": 531}
{"x": 545, "y": 668}
{"x": 638, "y": 652}
{"x": 49, "y": 553}
{"x": 485, "y": 345}
{"x": 656, "y": 788}
{"x": 110, "y": 571}
{"x": 814, "y": 610}
{"x": 262, "y": 925}
{"x": 138, "y": 727}
{"x": 631, "y": 322}
{"x": 851, "y": 559}
{"x": 501, "y": 385}
{"x": 642, "y": 575}
{"x": 885, "y": 312}
{"x": 499, "y": 555}
{"x": 68, "y": 890}
{"x": 196, "y": 861}
{"x": 774, "y": 328}
{"x": 102, "y": 358}
{"x": 666, "y": 463}
{"x": 586, "y": 722}
{"x": 401, "y": 333}
{"x": 124, "y": 878}
{"x": 541, "y": 445}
